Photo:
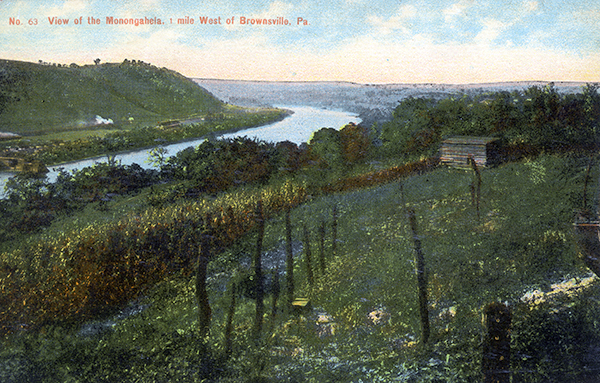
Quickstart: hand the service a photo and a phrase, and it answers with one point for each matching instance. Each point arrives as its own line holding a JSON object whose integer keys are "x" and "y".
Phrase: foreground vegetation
{"x": 365, "y": 323}
{"x": 503, "y": 243}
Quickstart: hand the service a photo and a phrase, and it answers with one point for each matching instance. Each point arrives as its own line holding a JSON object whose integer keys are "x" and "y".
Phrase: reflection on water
{"x": 296, "y": 128}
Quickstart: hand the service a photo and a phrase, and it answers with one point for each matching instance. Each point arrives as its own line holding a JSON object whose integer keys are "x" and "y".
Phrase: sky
{"x": 363, "y": 41}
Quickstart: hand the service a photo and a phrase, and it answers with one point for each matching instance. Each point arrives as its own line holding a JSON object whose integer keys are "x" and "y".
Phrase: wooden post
{"x": 421, "y": 277}
{"x": 204, "y": 311}
{"x": 289, "y": 260}
{"x": 276, "y": 290}
{"x": 334, "y": 231}
{"x": 322, "y": 246}
{"x": 257, "y": 263}
{"x": 229, "y": 322}
{"x": 585, "y": 184}
{"x": 478, "y": 176}
{"x": 308, "y": 256}
{"x": 496, "y": 349}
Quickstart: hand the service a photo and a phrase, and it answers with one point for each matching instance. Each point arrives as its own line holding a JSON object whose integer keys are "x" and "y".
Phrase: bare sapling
{"x": 258, "y": 276}
{"x": 585, "y": 184}
{"x": 421, "y": 276}
{"x": 229, "y": 321}
{"x": 334, "y": 231}
{"x": 308, "y": 256}
{"x": 289, "y": 262}
{"x": 478, "y": 185}
{"x": 204, "y": 311}
{"x": 276, "y": 290}
{"x": 322, "y": 246}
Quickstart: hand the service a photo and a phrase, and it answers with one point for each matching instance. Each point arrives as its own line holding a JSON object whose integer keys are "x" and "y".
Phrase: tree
{"x": 158, "y": 156}
{"x": 409, "y": 127}
{"x": 326, "y": 149}
{"x": 355, "y": 143}
{"x": 97, "y": 61}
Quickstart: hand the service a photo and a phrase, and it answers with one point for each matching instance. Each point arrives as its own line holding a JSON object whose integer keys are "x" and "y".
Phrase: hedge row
{"x": 382, "y": 176}
{"x": 84, "y": 273}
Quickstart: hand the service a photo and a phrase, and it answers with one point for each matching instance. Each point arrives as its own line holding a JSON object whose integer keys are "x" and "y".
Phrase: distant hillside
{"x": 373, "y": 102}
{"x": 38, "y": 98}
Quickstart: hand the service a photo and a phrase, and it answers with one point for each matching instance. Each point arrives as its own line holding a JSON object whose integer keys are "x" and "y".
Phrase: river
{"x": 296, "y": 128}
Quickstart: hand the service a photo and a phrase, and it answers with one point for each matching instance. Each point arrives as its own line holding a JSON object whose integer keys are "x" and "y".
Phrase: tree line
{"x": 539, "y": 117}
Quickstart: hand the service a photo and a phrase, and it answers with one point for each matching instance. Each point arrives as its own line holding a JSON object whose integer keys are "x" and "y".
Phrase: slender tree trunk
{"x": 229, "y": 323}
{"x": 334, "y": 231}
{"x": 478, "y": 189}
{"x": 258, "y": 276}
{"x": 308, "y": 256}
{"x": 585, "y": 185}
{"x": 276, "y": 290}
{"x": 289, "y": 260}
{"x": 421, "y": 276}
{"x": 322, "y": 246}
{"x": 204, "y": 311}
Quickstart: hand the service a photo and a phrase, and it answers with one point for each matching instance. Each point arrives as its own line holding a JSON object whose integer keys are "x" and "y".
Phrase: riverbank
{"x": 294, "y": 124}
{"x": 57, "y": 151}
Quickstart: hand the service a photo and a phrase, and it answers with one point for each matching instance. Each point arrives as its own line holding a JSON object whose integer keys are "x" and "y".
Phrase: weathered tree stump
{"x": 496, "y": 347}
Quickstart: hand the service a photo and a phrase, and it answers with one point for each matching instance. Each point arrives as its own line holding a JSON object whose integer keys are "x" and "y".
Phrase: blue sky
{"x": 366, "y": 41}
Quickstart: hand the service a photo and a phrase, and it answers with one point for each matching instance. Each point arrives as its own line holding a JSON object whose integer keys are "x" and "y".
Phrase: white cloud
{"x": 399, "y": 21}
{"x": 456, "y": 10}
{"x": 531, "y": 6}
{"x": 491, "y": 30}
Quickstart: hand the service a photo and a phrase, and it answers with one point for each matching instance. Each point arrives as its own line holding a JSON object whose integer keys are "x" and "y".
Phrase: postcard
{"x": 291, "y": 191}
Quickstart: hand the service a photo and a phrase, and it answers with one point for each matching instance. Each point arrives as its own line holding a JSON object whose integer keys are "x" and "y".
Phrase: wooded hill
{"x": 41, "y": 98}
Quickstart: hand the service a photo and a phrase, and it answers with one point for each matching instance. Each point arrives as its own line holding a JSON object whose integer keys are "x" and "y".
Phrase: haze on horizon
{"x": 362, "y": 41}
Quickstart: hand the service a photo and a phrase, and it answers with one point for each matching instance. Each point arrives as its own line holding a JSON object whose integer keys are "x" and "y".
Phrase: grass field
{"x": 40, "y": 99}
{"x": 364, "y": 324}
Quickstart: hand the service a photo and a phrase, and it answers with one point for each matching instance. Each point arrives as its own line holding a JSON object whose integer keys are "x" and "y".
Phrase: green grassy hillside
{"x": 364, "y": 325}
{"x": 36, "y": 98}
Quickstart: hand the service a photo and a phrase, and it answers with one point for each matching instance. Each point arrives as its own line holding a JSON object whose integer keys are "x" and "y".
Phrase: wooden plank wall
{"x": 456, "y": 151}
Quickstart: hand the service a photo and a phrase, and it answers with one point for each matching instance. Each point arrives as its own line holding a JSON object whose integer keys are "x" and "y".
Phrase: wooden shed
{"x": 455, "y": 151}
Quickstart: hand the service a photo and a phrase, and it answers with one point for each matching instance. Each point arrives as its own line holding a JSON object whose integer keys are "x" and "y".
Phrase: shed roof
{"x": 469, "y": 140}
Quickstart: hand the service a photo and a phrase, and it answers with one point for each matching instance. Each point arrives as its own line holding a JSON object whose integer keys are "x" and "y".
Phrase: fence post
{"x": 229, "y": 321}
{"x": 421, "y": 276}
{"x": 322, "y": 246}
{"x": 257, "y": 264}
{"x": 496, "y": 347}
{"x": 334, "y": 231}
{"x": 289, "y": 273}
{"x": 308, "y": 256}
{"x": 204, "y": 311}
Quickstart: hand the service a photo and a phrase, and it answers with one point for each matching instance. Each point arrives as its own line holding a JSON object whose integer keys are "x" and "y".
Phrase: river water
{"x": 297, "y": 128}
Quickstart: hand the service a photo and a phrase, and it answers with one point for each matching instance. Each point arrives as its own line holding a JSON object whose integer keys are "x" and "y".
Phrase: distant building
{"x": 455, "y": 151}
